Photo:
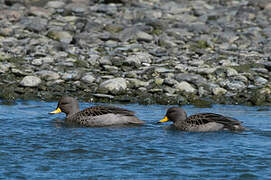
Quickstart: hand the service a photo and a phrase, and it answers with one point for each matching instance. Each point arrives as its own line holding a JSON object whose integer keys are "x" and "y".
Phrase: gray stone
{"x": 196, "y": 63}
{"x": 107, "y": 77}
{"x": 190, "y": 77}
{"x": 260, "y": 70}
{"x": 202, "y": 92}
{"x": 231, "y": 72}
{"x": 241, "y": 78}
{"x": 170, "y": 82}
{"x": 62, "y": 36}
{"x": 181, "y": 67}
{"x": 103, "y": 96}
{"x": 153, "y": 14}
{"x": 35, "y": 24}
{"x": 158, "y": 81}
{"x": 138, "y": 83}
{"x": 175, "y": 8}
{"x": 138, "y": 58}
{"x": 155, "y": 90}
{"x": 55, "y": 4}
{"x": 114, "y": 86}
{"x": 105, "y": 60}
{"x": 88, "y": 78}
{"x": 185, "y": 86}
{"x": 142, "y": 89}
{"x": 37, "y": 62}
{"x": 93, "y": 59}
{"x": 219, "y": 91}
{"x": 6, "y": 31}
{"x": 167, "y": 42}
{"x": 235, "y": 85}
{"x": 268, "y": 64}
{"x": 202, "y": 70}
{"x": 131, "y": 74}
{"x": 76, "y": 8}
{"x": 259, "y": 81}
{"x": 30, "y": 81}
{"x": 48, "y": 60}
{"x": 111, "y": 69}
{"x": 142, "y": 36}
{"x": 48, "y": 75}
{"x": 71, "y": 75}
{"x": 41, "y": 12}
{"x": 4, "y": 67}
{"x": 18, "y": 71}
{"x": 169, "y": 90}
{"x": 128, "y": 34}
{"x": 227, "y": 63}
{"x": 163, "y": 70}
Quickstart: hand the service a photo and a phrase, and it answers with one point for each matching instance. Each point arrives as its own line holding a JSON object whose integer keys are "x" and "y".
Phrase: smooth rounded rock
{"x": 30, "y": 81}
{"x": 4, "y": 67}
{"x": 231, "y": 72}
{"x": 88, "y": 78}
{"x": 219, "y": 91}
{"x": 138, "y": 83}
{"x": 138, "y": 58}
{"x": 259, "y": 81}
{"x": 48, "y": 75}
{"x": 114, "y": 86}
{"x": 142, "y": 36}
{"x": 185, "y": 86}
{"x": 55, "y": 4}
{"x": 62, "y": 36}
{"x": 37, "y": 62}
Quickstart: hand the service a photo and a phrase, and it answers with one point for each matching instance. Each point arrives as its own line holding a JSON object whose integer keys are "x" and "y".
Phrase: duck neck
{"x": 74, "y": 109}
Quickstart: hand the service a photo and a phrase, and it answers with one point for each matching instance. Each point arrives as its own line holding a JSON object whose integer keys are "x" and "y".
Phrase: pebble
{"x": 185, "y": 86}
{"x": 55, "y": 4}
{"x": 142, "y": 36}
{"x": 159, "y": 48}
{"x": 48, "y": 75}
{"x": 113, "y": 86}
{"x": 62, "y": 36}
{"x": 4, "y": 67}
{"x": 37, "y": 62}
{"x": 30, "y": 81}
{"x": 136, "y": 83}
{"x": 219, "y": 91}
{"x": 88, "y": 78}
{"x": 260, "y": 81}
{"x": 138, "y": 58}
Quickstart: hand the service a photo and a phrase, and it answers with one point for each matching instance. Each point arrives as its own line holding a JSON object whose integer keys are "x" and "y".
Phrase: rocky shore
{"x": 146, "y": 51}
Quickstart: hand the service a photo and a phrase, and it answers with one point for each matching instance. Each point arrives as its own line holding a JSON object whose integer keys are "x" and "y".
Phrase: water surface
{"x": 36, "y": 145}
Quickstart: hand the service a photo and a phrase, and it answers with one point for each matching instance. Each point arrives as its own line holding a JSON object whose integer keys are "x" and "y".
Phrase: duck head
{"x": 174, "y": 114}
{"x": 68, "y": 105}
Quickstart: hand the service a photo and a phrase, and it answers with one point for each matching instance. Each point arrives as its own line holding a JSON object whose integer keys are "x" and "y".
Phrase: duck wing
{"x": 101, "y": 110}
{"x": 98, "y": 116}
{"x": 204, "y": 118}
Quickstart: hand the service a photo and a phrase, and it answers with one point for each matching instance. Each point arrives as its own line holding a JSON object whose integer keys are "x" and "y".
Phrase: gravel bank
{"x": 145, "y": 51}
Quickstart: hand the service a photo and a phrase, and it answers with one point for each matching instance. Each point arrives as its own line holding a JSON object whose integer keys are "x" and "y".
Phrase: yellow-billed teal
{"x": 95, "y": 116}
{"x": 202, "y": 122}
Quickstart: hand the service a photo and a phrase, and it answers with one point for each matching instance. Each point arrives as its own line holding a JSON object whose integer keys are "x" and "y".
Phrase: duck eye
{"x": 64, "y": 103}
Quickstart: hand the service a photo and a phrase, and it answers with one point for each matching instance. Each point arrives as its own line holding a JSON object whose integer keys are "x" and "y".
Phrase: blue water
{"x": 36, "y": 145}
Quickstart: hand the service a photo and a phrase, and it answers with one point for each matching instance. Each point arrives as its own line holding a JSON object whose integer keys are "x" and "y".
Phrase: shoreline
{"x": 146, "y": 52}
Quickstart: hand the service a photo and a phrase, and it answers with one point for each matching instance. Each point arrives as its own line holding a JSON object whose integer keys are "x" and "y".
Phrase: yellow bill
{"x": 164, "y": 120}
{"x": 58, "y": 110}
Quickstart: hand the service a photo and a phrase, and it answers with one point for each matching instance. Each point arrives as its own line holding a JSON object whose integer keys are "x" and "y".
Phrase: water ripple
{"x": 35, "y": 145}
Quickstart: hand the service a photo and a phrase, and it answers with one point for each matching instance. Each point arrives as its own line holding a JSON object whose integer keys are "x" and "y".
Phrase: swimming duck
{"x": 202, "y": 122}
{"x": 96, "y": 115}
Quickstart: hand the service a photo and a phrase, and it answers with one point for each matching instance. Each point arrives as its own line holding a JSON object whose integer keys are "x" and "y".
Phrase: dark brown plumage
{"x": 96, "y": 115}
{"x": 201, "y": 122}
